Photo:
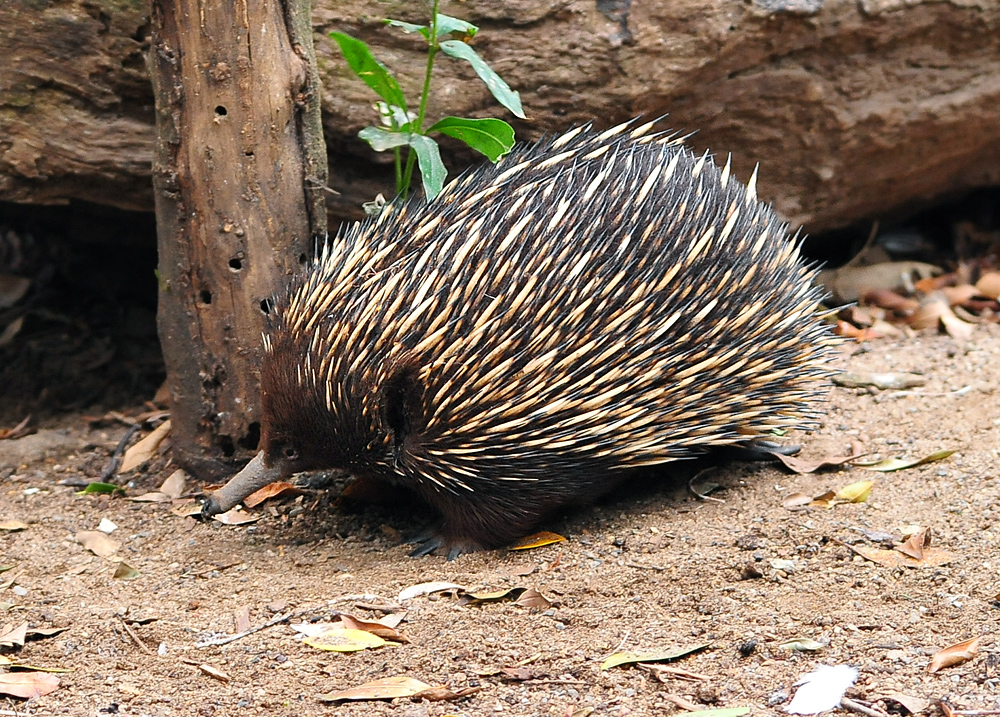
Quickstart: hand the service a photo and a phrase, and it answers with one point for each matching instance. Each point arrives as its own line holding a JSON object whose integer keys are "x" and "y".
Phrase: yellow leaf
{"x": 537, "y": 540}
{"x": 339, "y": 639}
{"x": 855, "y": 492}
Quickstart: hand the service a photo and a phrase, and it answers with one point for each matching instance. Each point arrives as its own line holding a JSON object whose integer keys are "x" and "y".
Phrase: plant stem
{"x": 432, "y": 50}
{"x": 399, "y": 169}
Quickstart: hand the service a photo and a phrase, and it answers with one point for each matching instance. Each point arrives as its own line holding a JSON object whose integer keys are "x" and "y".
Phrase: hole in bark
{"x": 205, "y": 296}
{"x": 220, "y": 111}
{"x": 226, "y": 445}
{"x": 252, "y": 439}
{"x": 265, "y": 306}
{"x": 235, "y": 263}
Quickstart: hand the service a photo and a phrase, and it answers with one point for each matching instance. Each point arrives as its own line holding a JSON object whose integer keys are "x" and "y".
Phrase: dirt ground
{"x": 655, "y": 569}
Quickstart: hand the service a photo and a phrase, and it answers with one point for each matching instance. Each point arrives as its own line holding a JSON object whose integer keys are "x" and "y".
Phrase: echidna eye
{"x": 290, "y": 453}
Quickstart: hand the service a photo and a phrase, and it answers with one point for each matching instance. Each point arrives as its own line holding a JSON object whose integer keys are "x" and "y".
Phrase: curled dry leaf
{"x": 801, "y": 644}
{"x": 910, "y": 703}
{"x": 14, "y": 636}
{"x": 443, "y": 693}
{"x": 144, "y": 449}
{"x": 376, "y": 628}
{"x": 954, "y": 654}
{"x": 173, "y": 486}
{"x": 214, "y": 672}
{"x": 897, "y": 464}
{"x": 13, "y": 525}
{"x": 271, "y": 490}
{"x": 124, "y": 571}
{"x": 802, "y": 465}
{"x": 426, "y": 589}
{"x": 914, "y": 546}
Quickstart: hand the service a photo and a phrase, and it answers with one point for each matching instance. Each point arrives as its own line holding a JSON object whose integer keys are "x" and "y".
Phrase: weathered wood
{"x": 854, "y": 108}
{"x": 238, "y": 178}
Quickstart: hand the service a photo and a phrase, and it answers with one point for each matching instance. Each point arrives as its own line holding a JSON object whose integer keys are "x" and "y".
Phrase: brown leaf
{"x": 801, "y": 465}
{"x": 14, "y": 636}
{"x": 891, "y": 301}
{"x": 271, "y": 490}
{"x": 932, "y": 557}
{"x": 13, "y": 525}
{"x": 445, "y": 694}
{"x": 910, "y": 703}
{"x": 914, "y": 547}
{"x": 387, "y": 688}
{"x": 28, "y": 685}
{"x": 236, "y": 516}
{"x": 375, "y": 628}
{"x": 144, "y": 449}
{"x": 173, "y": 486}
{"x": 957, "y": 295}
{"x": 954, "y": 654}
{"x": 98, "y": 543}
{"x": 533, "y": 599}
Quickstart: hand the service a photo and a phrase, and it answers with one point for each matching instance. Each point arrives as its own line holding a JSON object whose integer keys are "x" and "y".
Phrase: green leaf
{"x": 373, "y": 72}
{"x": 432, "y": 171}
{"x": 898, "y": 464}
{"x": 98, "y": 488}
{"x": 492, "y": 137}
{"x": 409, "y": 27}
{"x": 383, "y": 139}
{"x": 500, "y": 89}
{"x": 446, "y": 24}
{"x": 630, "y": 658}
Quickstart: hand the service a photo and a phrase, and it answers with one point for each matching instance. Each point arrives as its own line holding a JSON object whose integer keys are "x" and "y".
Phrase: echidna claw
{"x": 433, "y": 542}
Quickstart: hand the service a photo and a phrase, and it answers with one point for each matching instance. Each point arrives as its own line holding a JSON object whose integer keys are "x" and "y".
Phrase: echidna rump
{"x": 590, "y": 304}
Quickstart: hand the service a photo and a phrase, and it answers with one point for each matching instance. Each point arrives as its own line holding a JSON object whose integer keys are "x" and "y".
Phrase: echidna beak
{"x": 254, "y": 476}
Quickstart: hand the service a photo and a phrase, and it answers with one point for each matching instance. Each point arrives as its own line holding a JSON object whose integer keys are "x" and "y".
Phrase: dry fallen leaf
{"x": 628, "y": 658}
{"x": 537, "y": 540}
{"x": 933, "y": 557}
{"x": 124, "y": 571}
{"x": 426, "y": 589}
{"x": 915, "y": 544}
{"x": 13, "y": 636}
{"x": 883, "y": 381}
{"x": 340, "y": 639}
{"x": 271, "y": 490}
{"x": 214, "y": 672}
{"x": 235, "y": 516}
{"x": 801, "y": 465}
{"x": 896, "y": 464}
{"x": 533, "y": 599}
{"x": 954, "y": 654}
{"x": 13, "y": 525}
{"x": 27, "y": 685}
{"x": 910, "y": 703}
{"x": 98, "y": 543}
{"x": 387, "y": 688}
{"x": 144, "y": 449}
{"x": 173, "y": 486}
{"x": 989, "y": 284}
{"x": 855, "y": 492}
{"x": 376, "y": 628}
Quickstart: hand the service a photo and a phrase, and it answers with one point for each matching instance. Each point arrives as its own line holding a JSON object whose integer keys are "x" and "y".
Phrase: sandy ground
{"x": 655, "y": 569}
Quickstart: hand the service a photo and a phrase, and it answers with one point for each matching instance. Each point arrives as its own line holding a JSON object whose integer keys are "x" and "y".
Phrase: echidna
{"x": 590, "y": 304}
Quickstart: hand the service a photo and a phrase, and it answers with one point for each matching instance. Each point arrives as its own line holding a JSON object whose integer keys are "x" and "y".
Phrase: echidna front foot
{"x": 436, "y": 542}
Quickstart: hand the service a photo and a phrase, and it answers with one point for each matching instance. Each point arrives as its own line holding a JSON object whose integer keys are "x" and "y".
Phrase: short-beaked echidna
{"x": 590, "y": 304}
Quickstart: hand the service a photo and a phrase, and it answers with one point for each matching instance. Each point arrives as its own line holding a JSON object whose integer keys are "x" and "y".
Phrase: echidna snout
{"x": 590, "y": 304}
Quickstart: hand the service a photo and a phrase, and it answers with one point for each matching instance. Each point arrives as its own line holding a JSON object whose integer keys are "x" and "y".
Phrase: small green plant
{"x": 403, "y": 128}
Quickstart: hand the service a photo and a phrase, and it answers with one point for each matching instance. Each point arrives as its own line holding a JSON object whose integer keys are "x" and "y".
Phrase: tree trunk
{"x": 238, "y": 176}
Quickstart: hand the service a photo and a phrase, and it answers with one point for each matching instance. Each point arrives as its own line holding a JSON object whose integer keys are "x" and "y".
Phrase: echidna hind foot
{"x": 591, "y": 304}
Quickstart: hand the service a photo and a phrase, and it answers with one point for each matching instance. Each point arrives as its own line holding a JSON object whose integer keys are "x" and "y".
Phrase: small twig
{"x": 134, "y": 636}
{"x": 240, "y": 635}
{"x": 681, "y": 702}
{"x": 620, "y": 645}
{"x": 119, "y": 452}
{"x": 863, "y": 709}
{"x": 555, "y": 682}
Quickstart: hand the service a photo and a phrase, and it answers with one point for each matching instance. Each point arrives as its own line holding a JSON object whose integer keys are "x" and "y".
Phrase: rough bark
{"x": 854, "y": 108}
{"x": 239, "y": 173}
